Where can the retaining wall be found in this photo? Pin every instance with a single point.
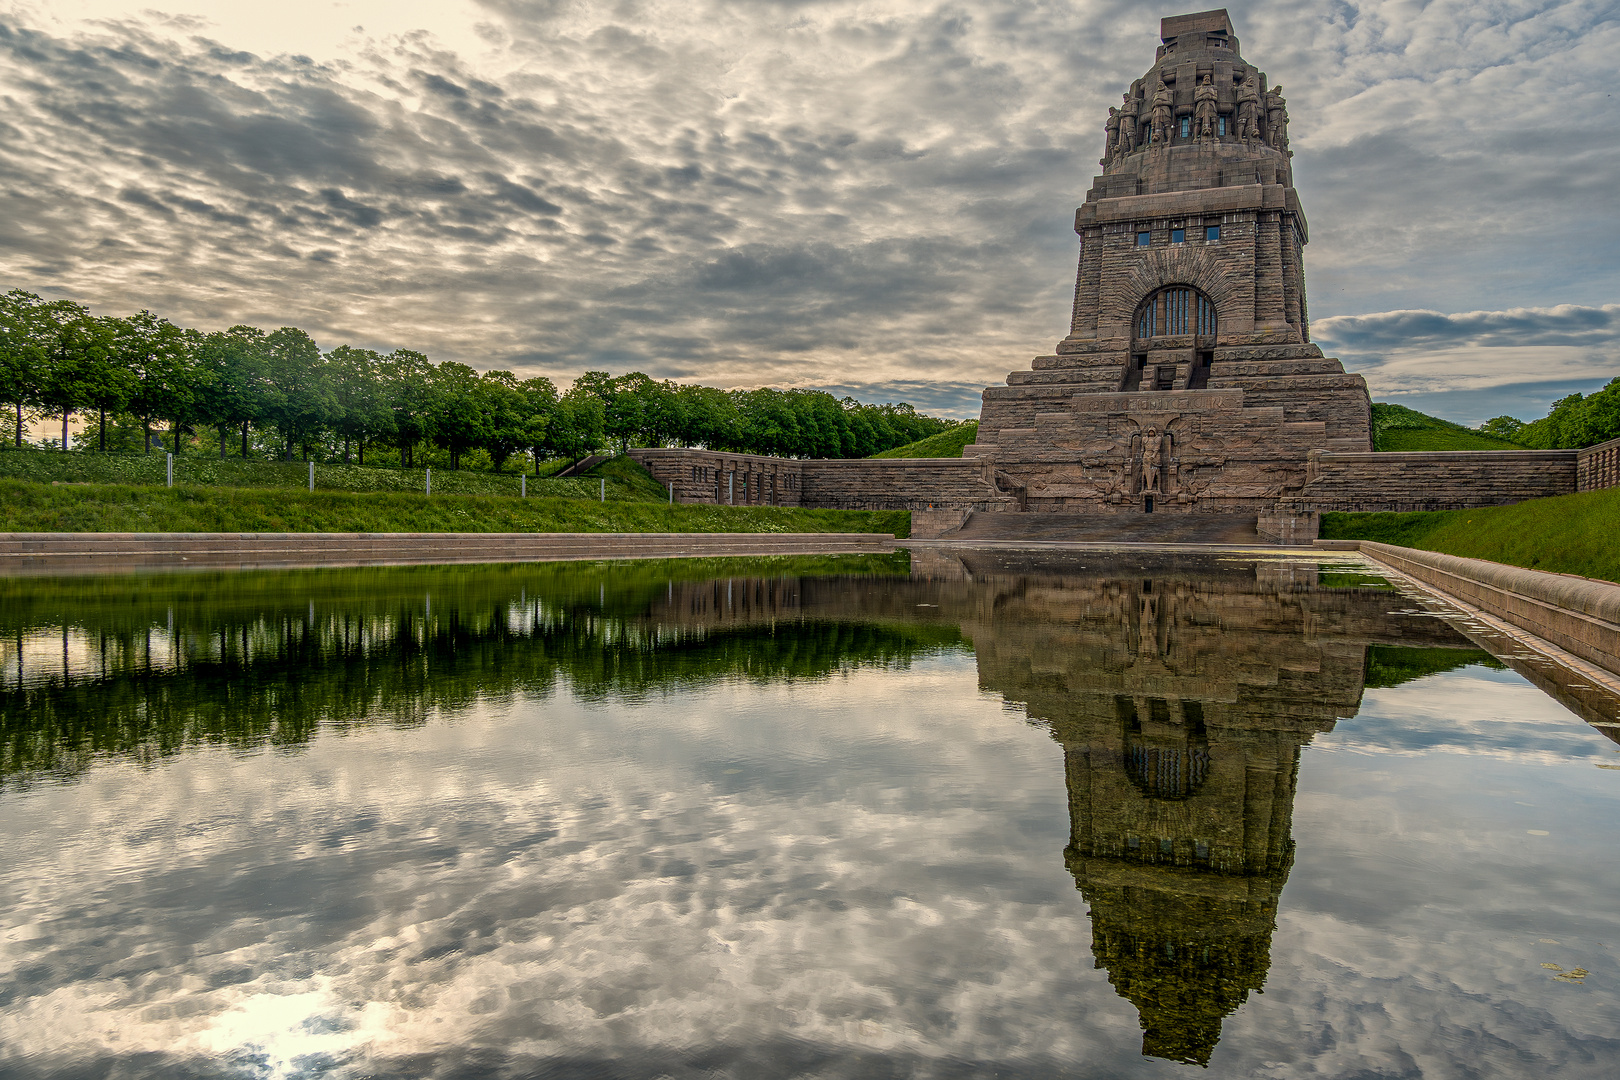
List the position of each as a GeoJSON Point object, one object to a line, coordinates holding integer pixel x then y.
{"type": "Point", "coordinates": [1440, 480]}
{"type": "Point", "coordinates": [1577, 614]}
{"type": "Point", "coordinates": [707, 476]}
{"type": "Point", "coordinates": [1598, 466]}
{"type": "Point", "coordinates": [48, 553]}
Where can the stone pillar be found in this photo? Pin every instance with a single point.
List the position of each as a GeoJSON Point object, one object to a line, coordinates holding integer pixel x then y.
{"type": "Point", "coordinates": [1087, 286]}
{"type": "Point", "coordinates": [1268, 278]}
{"type": "Point", "coordinates": [1292, 290]}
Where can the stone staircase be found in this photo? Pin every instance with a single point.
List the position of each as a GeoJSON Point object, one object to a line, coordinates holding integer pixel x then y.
{"type": "Point", "coordinates": [1126, 528]}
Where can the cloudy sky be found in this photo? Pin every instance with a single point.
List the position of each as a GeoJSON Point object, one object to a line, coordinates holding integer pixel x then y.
{"type": "Point", "coordinates": [875, 198]}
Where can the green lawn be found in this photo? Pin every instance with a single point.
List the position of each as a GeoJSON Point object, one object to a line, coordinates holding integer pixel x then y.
{"type": "Point", "coordinates": [1569, 534]}
{"type": "Point", "coordinates": [945, 444]}
{"type": "Point", "coordinates": [34, 507]}
{"type": "Point", "coordinates": [1395, 427]}
{"type": "Point", "coordinates": [46, 466]}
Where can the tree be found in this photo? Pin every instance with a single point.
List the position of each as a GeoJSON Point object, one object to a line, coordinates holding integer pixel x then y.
{"type": "Point", "coordinates": [540, 406]}
{"type": "Point", "coordinates": [504, 415]}
{"type": "Point", "coordinates": [363, 411]}
{"type": "Point", "coordinates": [577, 425]}
{"type": "Point", "coordinates": [236, 364]}
{"type": "Point", "coordinates": [407, 388]}
{"type": "Point", "coordinates": [299, 401]}
{"type": "Point", "coordinates": [80, 366]}
{"type": "Point", "coordinates": [23, 350]}
{"type": "Point", "coordinates": [158, 356]}
{"type": "Point", "coordinates": [1503, 427]}
{"type": "Point", "coordinates": [456, 417]}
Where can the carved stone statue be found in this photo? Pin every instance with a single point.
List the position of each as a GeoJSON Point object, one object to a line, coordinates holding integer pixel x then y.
{"type": "Point", "coordinates": [1127, 123]}
{"type": "Point", "coordinates": [1248, 107]}
{"type": "Point", "coordinates": [1276, 119]}
{"type": "Point", "coordinates": [1151, 458]}
{"type": "Point", "coordinates": [1163, 110]}
{"type": "Point", "coordinates": [1204, 109]}
{"type": "Point", "coordinates": [1111, 146]}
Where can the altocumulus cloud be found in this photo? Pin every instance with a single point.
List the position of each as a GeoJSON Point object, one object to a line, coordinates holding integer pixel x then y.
{"type": "Point", "coordinates": [873, 196]}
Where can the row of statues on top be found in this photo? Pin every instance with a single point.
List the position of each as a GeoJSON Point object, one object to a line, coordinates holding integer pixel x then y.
{"type": "Point", "coordinates": [1260, 119]}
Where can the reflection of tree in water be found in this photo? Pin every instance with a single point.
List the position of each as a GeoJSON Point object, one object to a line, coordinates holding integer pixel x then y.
{"type": "Point", "coordinates": [1182, 698]}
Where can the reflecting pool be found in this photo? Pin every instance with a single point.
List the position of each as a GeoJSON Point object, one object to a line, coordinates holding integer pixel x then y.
{"type": "Point", "coordinates": [983, 814]}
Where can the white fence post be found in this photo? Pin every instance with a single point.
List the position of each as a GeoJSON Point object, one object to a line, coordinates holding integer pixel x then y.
{"type": "Point", "coordinates": [604, 489]}
{"type": "Point", "coordinates": [523, 486]}
{"type": "Point", "coordinates": [672, 493]}
{"type": "Point", "coordinates": [168, 470]}
{"type": "Point", "coordinates": [731, 488]}
{"type": "Point", "coordinates": [312, 476]}
{"type": "Point", "coordinates": [430, 480]}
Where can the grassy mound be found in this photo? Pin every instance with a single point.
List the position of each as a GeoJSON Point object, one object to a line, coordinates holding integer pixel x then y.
{"type": "Point", "coordinates": [35, 507]}
{"type": "Point", "coordinates": [1395, 427]}
{"type": "Point", "coordinates": [1569, 534]}
{"type": "Point", "coordinates": [945, 444]}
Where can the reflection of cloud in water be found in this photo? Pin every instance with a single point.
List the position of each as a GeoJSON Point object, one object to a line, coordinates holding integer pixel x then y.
{"type": "Point", "coordinates": [858, 874]}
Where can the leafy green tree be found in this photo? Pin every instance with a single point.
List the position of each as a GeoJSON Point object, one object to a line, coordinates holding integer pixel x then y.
{"type": "Point", "coordinates": [540, 409]}
{"type": "Point", "coordinates": [1503, 427]}
{"type": "Point", "coordinates": [159, 358]}
{"type": "Point", "coordinates": [407, 388]}
{"type": "Point", "coordinates": [577, 427]}
{"type": "Point", "coordinates": [236, 363]}
{"type": "Point", "coordinates": [80, 363]}
{"type": "Point", "coordinates": [24, 346]}
{"type": "Point", "coordinates": [456, 418]}
{"type": "Point", "coordinates": [505, 417]}
{"type": "Point", "coordinates": [299, 400]}
{"type": "Point", "coordinates": [363, 411]}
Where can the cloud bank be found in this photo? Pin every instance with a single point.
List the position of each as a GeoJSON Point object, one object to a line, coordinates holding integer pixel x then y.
{"type": "Point", "coordinates": [871, 195]}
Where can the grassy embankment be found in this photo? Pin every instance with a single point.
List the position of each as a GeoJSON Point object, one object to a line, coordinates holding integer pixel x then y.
{"type": "Point", "coordinates": [61, 495]}
{"type": "Point", "coordinates": [945, 444]}
{"type": "Point", "coordinates": [1568, 534]}
{"type": "Point", "coordinates": [1395, 427]}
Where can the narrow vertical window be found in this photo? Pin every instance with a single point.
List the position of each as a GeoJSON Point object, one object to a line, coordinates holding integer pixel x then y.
{"type": "Point", "coordinates": [1142, 239]}
{"type": "Point", "coordinates": [1220, 124]}
{"type": "Point", "coordinates": [1186, 126]}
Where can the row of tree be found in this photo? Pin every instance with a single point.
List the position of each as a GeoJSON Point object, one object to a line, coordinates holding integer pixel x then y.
{"type": "Point", "coordinates": [1573, 422]}
{"type": "Point", "coordinates": [280, 392]}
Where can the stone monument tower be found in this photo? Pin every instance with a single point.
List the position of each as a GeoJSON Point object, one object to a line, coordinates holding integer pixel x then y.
{"type": "Point", "coordinates": [1188, 382]}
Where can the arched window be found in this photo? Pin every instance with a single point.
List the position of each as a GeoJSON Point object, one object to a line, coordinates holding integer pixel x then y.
{"type": "Point", "coordinates": [1176, 311]}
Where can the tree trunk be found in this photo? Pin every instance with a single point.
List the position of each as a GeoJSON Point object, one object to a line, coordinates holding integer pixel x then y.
{"type": "Point", "coordinates": [104, 429]}
{"type": "Point", "coordinates": [65, 414]}
{"type": "Point", "coordinates": [362, 452]}
{"type": "Point", "coordinates": [345, 449]}
{"type": "Point", "coordinates": [244, 440]}
{"type": "Point", "coordinates": [146, 435]}
{"type": "Point", "coordinates": [19, 425]}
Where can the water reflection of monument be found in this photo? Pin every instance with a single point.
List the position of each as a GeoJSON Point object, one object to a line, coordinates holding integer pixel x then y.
{"type": "Point", "coordinates": [1181, 738]}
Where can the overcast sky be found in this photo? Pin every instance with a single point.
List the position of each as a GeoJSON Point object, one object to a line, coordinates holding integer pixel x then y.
{"type": "Point", "coordinates": [875, 198]}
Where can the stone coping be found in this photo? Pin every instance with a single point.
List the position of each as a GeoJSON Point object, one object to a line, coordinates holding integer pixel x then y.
{"type": "Point", "coordinates": [1581, 615]}
{"type": "Point", "coordinates": [52, 553]}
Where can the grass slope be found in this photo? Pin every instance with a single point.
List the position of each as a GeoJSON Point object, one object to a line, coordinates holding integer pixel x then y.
{"type": "Point", "coordinates": [945, 444]}
{"type": "Point", "coordinates": [1569, 534]}
{"type": "Point", "coordinates": [1395, 427]}
{"type": "Point", "coordinates": [47, 466]}
{"type": "Point", "coordinates": [35, 507]}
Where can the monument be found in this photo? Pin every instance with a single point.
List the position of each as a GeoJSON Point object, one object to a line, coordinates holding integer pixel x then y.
{"type": "Point", "coordinates": [1188, 387]}
{"type": "Point", "coordinates": [1188, 382]}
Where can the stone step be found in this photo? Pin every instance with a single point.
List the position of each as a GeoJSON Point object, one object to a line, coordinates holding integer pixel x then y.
{"type": "Point", "coordinates": [1166, 527]}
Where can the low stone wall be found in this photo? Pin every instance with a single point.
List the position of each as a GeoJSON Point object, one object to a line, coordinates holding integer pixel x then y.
{"type": "Point", "coordinates": [706, 476]}
{"type": "Point", "coordinates": [1441, 480]}
{"type": "Point", "coordinates": [54, 553]}
{"type": "Point", "coordinates": [1598, 466]}
{"type": "Point", "coordinates": [1577, 614]}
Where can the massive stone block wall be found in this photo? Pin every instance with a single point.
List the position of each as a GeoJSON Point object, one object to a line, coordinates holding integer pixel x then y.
{"type": "Point", "coordinates": [1449, 480]}
{"type": "Point", "coordinates": [1598, 466]}
{"type": "Point", "coordinates": [706, 476]}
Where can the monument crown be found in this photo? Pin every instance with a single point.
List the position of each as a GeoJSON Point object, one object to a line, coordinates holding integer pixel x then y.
{"type": "Point", "coordinates": [1187, 381]}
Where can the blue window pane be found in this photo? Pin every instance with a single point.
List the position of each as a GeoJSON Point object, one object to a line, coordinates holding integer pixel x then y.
{"type": "Point", "coordinates": [1212, 232]}
{"type": "Point", "coordinates": [1221, 123]}
{"type": "Point", "coordinates": [1186, 126]}
{"type": "Point", "coordinates": [1178, 236]}
{"type": "Point", "coordinates": [1142, 239]}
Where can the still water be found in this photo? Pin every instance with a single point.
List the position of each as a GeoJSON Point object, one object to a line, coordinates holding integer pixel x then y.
{"type": "Point", "coordinates": [954, 816]}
